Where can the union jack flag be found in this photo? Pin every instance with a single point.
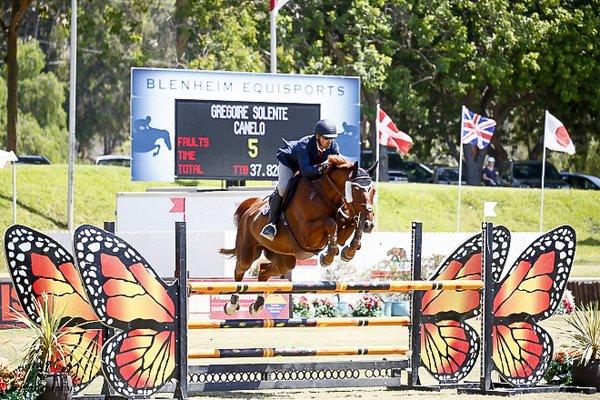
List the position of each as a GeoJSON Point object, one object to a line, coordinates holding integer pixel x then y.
{"type": "Point", "coordinates": [476, 130]}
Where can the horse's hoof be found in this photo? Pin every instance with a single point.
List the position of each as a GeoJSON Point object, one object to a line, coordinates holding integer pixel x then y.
{"type": "Point", "coordinates": [254, 311]}
{"type": "Point", "coordinates": [344, 256]}
{"type": "Point", "coordinates": [323, 262]}
{"type": "Point", "coordinates": [231, 308]}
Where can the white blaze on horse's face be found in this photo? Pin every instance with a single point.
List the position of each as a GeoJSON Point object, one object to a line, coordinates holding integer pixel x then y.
{"type": "Point", "coordinates": [361, 199]}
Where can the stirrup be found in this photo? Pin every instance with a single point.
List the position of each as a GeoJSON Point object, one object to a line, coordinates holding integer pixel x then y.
{"type": "Point", "coordinates": [269, 231]}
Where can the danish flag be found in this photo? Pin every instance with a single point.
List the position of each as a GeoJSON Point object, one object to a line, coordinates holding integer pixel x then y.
{"type": "Point", "coordinates": [389, 135]}
{"type": "Point", "coordinates": [277, 4]}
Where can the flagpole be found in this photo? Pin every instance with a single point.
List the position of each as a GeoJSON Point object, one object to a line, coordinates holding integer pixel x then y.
{"type": "Point", "coordinates": [543, 175]}
{"type": "Point", "coordinates": [14, 165]}
{"type": "Point", "coordinates": [72, 105]}
{"type": "Point", "coordinates": [378, 164]}
{"type": "Point", "coordinates": [462, 116]}
{"type": "Point", "coordinates": [273, 41]}
{"type": "Point", "coordinates": [377, 143]}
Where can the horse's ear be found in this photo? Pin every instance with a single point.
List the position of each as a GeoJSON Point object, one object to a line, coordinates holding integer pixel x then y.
{"type": "Point", "coordinates": [373, 168]}
{"type": "Point", "coordinates": [354, 169]}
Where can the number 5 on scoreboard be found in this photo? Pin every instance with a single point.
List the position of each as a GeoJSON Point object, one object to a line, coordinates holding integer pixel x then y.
{"type": "Point", "coordinates": [253, 147]}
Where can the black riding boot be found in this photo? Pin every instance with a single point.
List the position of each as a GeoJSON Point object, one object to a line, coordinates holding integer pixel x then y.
{"type": "Point", "coordinates": [270, 230]}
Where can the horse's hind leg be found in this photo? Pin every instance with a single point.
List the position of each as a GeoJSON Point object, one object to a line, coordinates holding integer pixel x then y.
{"type": "Point", "coordinates": [279, 265]}
{"type": "Point", "coordinates": [243, 262]}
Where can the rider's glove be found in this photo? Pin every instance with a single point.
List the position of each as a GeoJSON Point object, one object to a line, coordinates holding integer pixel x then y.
{"type": "Point", "coordinates": [322, 167]}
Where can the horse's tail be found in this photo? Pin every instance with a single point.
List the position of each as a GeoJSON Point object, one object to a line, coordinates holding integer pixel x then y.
{"type": "Point", "coordinates": [227, 252]}
{"type": "Point", "coordinates": [242, 208]}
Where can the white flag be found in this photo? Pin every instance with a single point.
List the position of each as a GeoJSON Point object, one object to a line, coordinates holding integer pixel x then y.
{"type": "Point", "coordinates": [556, 136]}
{"type": "Point", "coordinates": [6, 157]}
{"type": "Point", "coordinates": [488, 208]}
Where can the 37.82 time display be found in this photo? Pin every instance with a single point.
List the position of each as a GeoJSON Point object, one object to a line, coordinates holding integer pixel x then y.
{"type": "Point", "coordinates": [236, 140]}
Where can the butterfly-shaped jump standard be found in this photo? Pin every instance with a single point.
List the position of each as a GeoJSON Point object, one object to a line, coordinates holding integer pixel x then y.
{"type": "Point", "coordinates": [38, 265]}
{"type": "Point", "coordinates": [530, 292]}
{"type": "Point", "coordinates": [449, 346]}
{"type": "Point", "coordinates": [128, 295]}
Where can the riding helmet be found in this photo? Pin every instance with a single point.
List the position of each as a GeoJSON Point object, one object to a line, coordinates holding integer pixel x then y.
{"type": "Point", "coordinates": [326, 128]}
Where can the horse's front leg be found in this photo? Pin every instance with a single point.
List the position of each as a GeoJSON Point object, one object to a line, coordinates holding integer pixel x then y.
{"type": "Point", "coordinates": [332, 249]}
{"type": "Point", "coordinates": [349, 250]}
{"type": "Point", "coordinates": [157, 148]}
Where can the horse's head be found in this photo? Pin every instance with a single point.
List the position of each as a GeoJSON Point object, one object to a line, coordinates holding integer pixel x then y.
{"type": "Point", "coordinates": [163, 134]}
{"type": "Point", "coordinates": [359, 193]}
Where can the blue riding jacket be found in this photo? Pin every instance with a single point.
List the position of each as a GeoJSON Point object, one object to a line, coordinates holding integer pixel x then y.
{"type": "Point", "coordinates": [302, 155]}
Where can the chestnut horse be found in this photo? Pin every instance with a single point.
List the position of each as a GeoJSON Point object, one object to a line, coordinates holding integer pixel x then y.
{"type": "Point", "coordinates": [322, 214]}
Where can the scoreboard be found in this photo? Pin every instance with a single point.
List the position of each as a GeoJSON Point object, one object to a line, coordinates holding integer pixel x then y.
{"type": "Point", "coordinates": [192, 124]}
{"type": "Point", "coordinates": [236, 139]}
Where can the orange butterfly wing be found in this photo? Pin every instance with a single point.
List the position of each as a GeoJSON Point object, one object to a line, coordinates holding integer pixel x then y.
{"type": "Point", "coordinates": [449, 347]}
{"type": "Point", "coordinates": [81, 358]}
{"type": "Point", "coordinates": [132, 358]}
{"type": "Point", "coordinates": [128, 295]}
{"type": "Point", "coordinates": [530, 292]}
{"type": "Point", "coordinates": [38, 264]}
{"type": "Point", "coordinates": [521, 352]}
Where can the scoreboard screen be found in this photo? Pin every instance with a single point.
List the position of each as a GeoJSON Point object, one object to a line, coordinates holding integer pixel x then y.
{"type": "Point", "coordinates": [236, 140]}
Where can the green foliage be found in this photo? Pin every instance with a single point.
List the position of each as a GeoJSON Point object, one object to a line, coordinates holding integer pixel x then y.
{"type": "Point", "coordinates": [41, 124]}
{"type": "Point", "coordinates": [584, 332]}
{"type": "Point", "coordinates": [325, 307]}
{"type": "Point", "coordinates": [48, 140]}
{"type": "Point", "coordinates": [227, 35]}
{"type": "Point", "coordinates": [561, 367]}
{"type": "Point", "coordinates": [302, 308]}
{"type": "Point", "coordinates": [368, 305]}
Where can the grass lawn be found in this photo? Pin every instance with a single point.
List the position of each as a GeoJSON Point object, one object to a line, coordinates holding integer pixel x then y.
{"type": "Point", "coordinates": [42, 199]}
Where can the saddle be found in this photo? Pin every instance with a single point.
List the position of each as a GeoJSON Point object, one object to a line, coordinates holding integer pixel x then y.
{"type": "Point", "coordinates": [287, 197]}
{"type": "Point", "coordinates": [289, 192]}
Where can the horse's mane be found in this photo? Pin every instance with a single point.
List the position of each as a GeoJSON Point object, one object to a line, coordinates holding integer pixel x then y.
{"type": "Point", "coordinates": [362, 177]}
{"type": "Point", "coordinates": [340, 163]}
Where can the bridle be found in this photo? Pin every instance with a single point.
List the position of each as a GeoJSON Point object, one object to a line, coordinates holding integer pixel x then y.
{"type": "Point", "coordinates": [345, 209]}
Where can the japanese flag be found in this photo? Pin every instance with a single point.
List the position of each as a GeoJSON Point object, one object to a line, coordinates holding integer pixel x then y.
{"type": "Point", "coordinates": [6, 157]}
{"type": "Point", "coordinates": [275, 5]}
{"type": "Point", "coordinates": [556, 136]}
{"type": "Point", "coordinates": [389, 135]}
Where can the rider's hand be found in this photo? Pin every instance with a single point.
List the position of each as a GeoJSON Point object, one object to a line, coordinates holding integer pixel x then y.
{"type": "Point", "coordinates": [323, 166]}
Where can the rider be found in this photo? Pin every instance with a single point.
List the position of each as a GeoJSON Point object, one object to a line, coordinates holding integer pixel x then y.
{"type": "Point", "coordinates": [308, 155]}
{"type": "Point", "coordinates": [141, 124]}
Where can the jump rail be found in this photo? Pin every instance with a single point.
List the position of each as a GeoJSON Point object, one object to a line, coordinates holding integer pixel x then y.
{"type": "Point", "coordinates": [296, 352]}
{"type": "Point", "coordinates": [330, 287]}
{"type": "Point", "coordinates": [299, 323]}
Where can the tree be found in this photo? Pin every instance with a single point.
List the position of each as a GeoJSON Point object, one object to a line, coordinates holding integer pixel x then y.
{"type": "Point", "coordinates": [10, 30]}
{"type": "Point", "coordinates": [41, 116]}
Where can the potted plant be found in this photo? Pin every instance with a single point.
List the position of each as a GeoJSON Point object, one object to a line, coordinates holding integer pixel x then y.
{"type": "Point", "coordinates": [47, 351]}
{"type": "Point", "coordinates": [584, 331]}
{"type": "Point", "coordinates": [18, 383]}
{"type": "Point", "coordinates": [393, 268]}
{"type": "Point", "coordinates": [302, 308]}
{"type": "Point", "coordinates": [368, 305]}
{"type": "Point", "coordinates": [325, 307]}
{"type": "Point", "coordinates": [341, 271]}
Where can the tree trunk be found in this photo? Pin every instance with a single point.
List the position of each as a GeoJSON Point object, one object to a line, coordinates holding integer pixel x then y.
{"type": "Point", "coordinates": [473, 164]}
{"type": "Point", "coordinates": [10, 30]}
{"type": "Point", "coordinates": [500, 152]}
{"type": "Point", "coordinates": [182, 33]}
{"type": "Point", "coordinates": [12, 72]}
